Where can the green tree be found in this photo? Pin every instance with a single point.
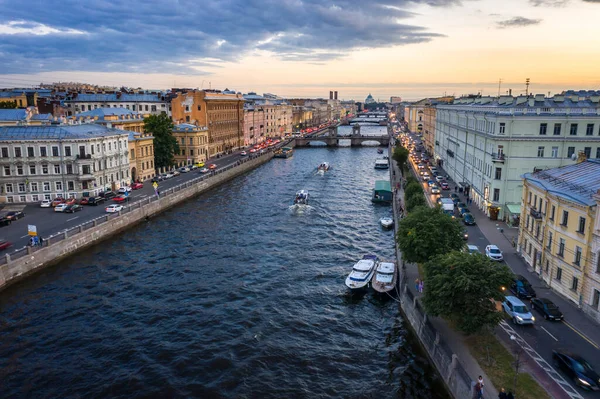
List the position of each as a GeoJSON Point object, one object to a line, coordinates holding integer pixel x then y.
{"type": "Point", "coordinates": [8, 105]}
{"type": "Point", "coordinates": [428, 232]}
{"type": "Point", "coordinates": [414, 202]}
{"type": "Point", "coordinates": [400, 156]}
{"type": "Point", "coordinates": [165, 145]}
{"type": "Point", "coordinates": [412, 189]}
{"type": "Point", "coordinates": [462, 287]}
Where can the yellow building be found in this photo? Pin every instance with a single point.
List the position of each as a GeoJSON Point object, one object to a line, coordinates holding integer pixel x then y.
{"type": "Point", "coordinates": [557, 228]}
{"type": "Point", "coordinates": [141, 156]}
{"type": "Point", "coordinates": [193, 143]}
{"type": "Point", "coordinates": [19, 98]}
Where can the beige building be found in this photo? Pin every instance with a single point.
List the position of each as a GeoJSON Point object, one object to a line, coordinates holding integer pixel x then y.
{"type": "Point", "coordinates": [193, 143]}
{"type": "Point", "coordinates": [415, 115]}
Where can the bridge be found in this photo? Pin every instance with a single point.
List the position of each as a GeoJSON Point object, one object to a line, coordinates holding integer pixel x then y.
{"type": "Point", "coordinates": [333, 140]}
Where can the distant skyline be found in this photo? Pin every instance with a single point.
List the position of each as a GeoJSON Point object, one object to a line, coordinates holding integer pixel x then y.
{"type": "Point", "coordinates": [305, 48]}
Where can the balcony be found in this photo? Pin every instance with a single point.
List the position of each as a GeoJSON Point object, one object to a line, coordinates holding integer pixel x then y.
{"type": "Point", "coordinates": [535, 213]}
{"type": "Point", "coordinates": [84, 156]}
{"type": "Point", "coordinates": [85, 177]}
{"type": "Point", "coordinates": [499, 158]}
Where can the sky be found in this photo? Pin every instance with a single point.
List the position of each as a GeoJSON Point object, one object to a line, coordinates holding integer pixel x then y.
{"type": "Point", "coordinates": [305, 48]}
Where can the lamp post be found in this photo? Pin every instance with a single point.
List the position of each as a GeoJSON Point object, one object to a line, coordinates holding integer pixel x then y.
{"type": "Point", "coordinates": [517, 351]}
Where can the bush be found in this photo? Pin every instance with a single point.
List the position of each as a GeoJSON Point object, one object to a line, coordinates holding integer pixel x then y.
{"type": "Point", "coordinates": [414, 202]}
{"type": "Point", "coordinates": [413, 189]}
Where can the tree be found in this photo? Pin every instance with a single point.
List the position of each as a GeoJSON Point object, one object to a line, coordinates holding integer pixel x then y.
{"type": "Point", "coordinates": [414, 202]}
{"type": "Point", "coordinates": [463, 287]}
{"type": "Point", "coordinates": [400, 156]}
{"type": "Point", "coordinates": [412, 189]}
{"type": "Point", "coordinates": [428, 232]}
{"type": "Point", "coordinates": [165, 145]}
{"type": "Point", "coordinates": [8, 105]}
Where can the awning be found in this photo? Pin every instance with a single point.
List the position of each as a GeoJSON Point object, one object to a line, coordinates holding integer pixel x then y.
{"type": "Point", "coordinates": [514, 209]}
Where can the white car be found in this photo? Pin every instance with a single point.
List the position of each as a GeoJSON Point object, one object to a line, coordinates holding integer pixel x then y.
{"type": "Point", "coordinates": [204, 170]}
{"type": "Point", "coordinates": [435, 189]}
{"type": "Point", "coordinates": [124, 189]}
{"type": "Point", "coordinates": [243, 153]}
{"type": "Point", "coordinates": [184, 169]}
{"type": "Point", "coordinates": [494, 253]}
{"type": "Point", "coordinates": [114, 208]}
{"type": "Point", "coordinates": [433, 169]}
{"type": "Point", "coordinates": [438, 178]}
{"type": "Point", "coordinates": [60, 207]}
{"type": "Point", "coordinates": [194, 167]}
{"type": "Point", "coordinates": [175, 172]}
{"type": "Point", "coordinates": [168, 175]}
{"type": "Point", "coordinates": [472, 249]}
{"type": "Point", "coordinates": [517, 310]}
{"type": "Point", "coordinates": [46, 204]}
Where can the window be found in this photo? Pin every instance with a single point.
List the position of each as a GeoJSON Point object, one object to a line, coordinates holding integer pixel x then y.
{"type": "Point", "coordinates": [58, 185]}
{"type": "Point", "coordinates": [9, 188]}
{"type": "Point", "coordinates": [22, 198]}
{"type": "Point", "coordinates": [596, 300]}
{"type": "Point", "coordinates": [191, 141]}
{"type": "Point", "coordinates": [570, 152]}
{"type": "Point", "coordinates": [573, 129]}
{"type": "Point", "coordinates": [70, 186]}
{"type": "Point", "coordinates": [549, 241]}
{"type": "Point", "coordinates": [20, 170]}
{"type": "Point", "coordinates": [46, 186]}
{"type": "Point", "coordinates": [552, 213]}
{"type": "Point", "coordinates": [561, 247]}
{"type": "Point", "coordinates": [4, 152]}
{"type": "Point", "coordinates": [577, 257]}
{"type": "Point", "coordinates": [35, 198]}
{"type": "Point", "coordinates": [54, 151]}
{"type": "Point", "coordinates": [18, 152]}
{"type": "Point", "coordinates": [43, 151]}
{"type": "Point", "coordinates": [558, 273]}
{"type": "Point", "coordinates": [69, 169]}
{"type": "Point", "coordinates": [7, 171]}
{"type": "Point", "coordinates": [30, 152]}
{"type": "Point", "coordinates": [109, 146]}
{"type": "Point", "coordinates": [588, 152]}
{"type": "Point", "coordinates": [529, 201]}
{"type": "Point", "coordinates": [598, 152]}
{"type": "Point", "coordinates": [557, 127]}
{"type": "Point", "coordinates": [34, 186]}
{"type": "Point", "coordinates": [57, 169]}
{"type": "Point", "coordinates": [496, 195]}
{"type": "Point", "coordinates": [543, 129]}
{"type": "Point", "coordinates": [182, 141]}
{"type": "Point", "coordinates": [589, 129]}
{"type": "Point", "coordinates": [146, 107]}
{"type": "Point", "coordinates": [45, 169]}
{"type": "Point", "coordinates": [565, 219]}
{"type": "Point", "coordinates": [502, 127]}
{"type": "Point", "coordinates": [540, 152]}
{"type": "Point", "coordinates": [21, 187]}
{"type": "Point", "coordinates": [575, 283]}
{"type": "Point", "coordinates": [498, 174]}
{"type": "Point", "coordinates": [68, 151]}
{"type": "Point", "coordinates": [554, 152]}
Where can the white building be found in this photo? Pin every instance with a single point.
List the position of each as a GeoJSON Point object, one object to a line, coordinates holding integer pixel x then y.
{"type": "Point", "coordinates": [489, 143]}
{"type": "Point", "coordinates": [155, 103]}
{"type": "Point", "coordinates": [61, 161]}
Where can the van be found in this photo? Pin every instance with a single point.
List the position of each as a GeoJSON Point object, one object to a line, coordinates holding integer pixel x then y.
{"type": "Point", "coordinates": [517, 310]}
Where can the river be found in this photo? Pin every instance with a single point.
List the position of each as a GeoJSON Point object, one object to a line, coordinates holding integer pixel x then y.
{"type": "Point", "coordinates": [233, 294]}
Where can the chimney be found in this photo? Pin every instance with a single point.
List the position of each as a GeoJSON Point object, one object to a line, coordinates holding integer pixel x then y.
{"type": "Point", "coordinates": [330, 95]}
{"type": "Point", "coordinates": [335, 95]}
{"type": "Point", "coordinates": [510, 92]}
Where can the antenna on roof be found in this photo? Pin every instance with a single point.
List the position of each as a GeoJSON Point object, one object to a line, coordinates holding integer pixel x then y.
{"type": "Point", "coordinates": [499, 85]}
{"type": "Point", "coordinates": [527, 86]}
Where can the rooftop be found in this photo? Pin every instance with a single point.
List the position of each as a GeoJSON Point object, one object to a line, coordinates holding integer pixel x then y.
{"type": "Point", "coordinates": [577, 182]}
{"type": "Point", "coordinates": [7, 115]}
{"type": "Point", "coordinates": [102, 112]}
{"type": "Point", "coordinates": [187, 127]}
{"type": "Point", "coordinates": [116, 97]}
{"type": "Point", "coordinates": [57, 132]}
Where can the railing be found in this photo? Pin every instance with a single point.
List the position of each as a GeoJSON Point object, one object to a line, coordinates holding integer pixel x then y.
{"type": "Point", "coordinates": [535, 213]}
{"type": "Point", "coordinates": [62, 235]}
{"type": "Point", "coordinates": [84, 156]}
{"type": "Point", "coordinates": [498, 157]}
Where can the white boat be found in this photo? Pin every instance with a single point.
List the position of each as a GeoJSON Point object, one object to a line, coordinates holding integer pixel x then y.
{"type": "Point", "coordinates": [382, 164]}
{"type": "Point", "coordinates": [362, 272]}
{"type": "Point", "coordinates": [301, 197]}
{"type": "Point", "coordinates": [386, 222]}
{"type": "Point", "coordinates": [324, 166]}
{"type": "Point", "coordinates": [385, 277]}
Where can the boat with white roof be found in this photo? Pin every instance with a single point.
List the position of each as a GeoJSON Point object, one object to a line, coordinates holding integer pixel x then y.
{"type": "Point", "coordinates": [301, 198]}
{"type": "Point", "coordinates": [362, 272]}
{"type": "Point", "coordinates": [385, 277]}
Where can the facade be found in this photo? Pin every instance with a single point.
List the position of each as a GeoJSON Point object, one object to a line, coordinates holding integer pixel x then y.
{"type": "Point", "coordinates": [18, 98]}
{"type": "Point", "coordinates": [141, 156]}
{"type": "Point", "coordinates": [488, 143]}
{"type": "Point", "coordinates": [44, 162]}
{"type": "Point", "coordinates": [395, 100]}
{"type": "Point", "coordinates": [153, 103]}
{"type": "Point", "coordinates": [254, 124]}
{"type": "Point", "coordinates": [415, 115]}
{"type": "Point", "coordinates": [558, 237]}
{"type": "Point", "coordinates": [429, 113]}
{"type": "Point", "coordinates": [301, 116]}
{"type": "Point", "coordinates": [193, 143]}
{"type": "Point", "coordinates": [222, 114]}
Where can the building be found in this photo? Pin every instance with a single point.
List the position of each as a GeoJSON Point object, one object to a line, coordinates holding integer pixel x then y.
{"type": "Point", "coordinates": [254, 124]}
{"type": "Point", "coordinates": [558, 237]}
{"type": "Point", "coordinates": [415, 115]}
{"type": "Point", "coordinates": [118, 118]}
{"type": "Point", "coordinates": [23, 116]}
{"type": "Point", "coordinates": [395, 100]}
{"type": "Point", "coordinates": [222, 114]}
{"type": "Point", "coordinates": [370, 99]}
{"type": "Point", "coordinates": [429, 113]}
{"type": "Point", "coordinates": [150, 103]}
{"type": "Point", "coordinates": [488, 143]}
{"type": "Point", "coordinates": [44, 162]}
{"type": "Point", "coordinates": [19, 98]}
{"type": "Point", "coordinates": [193, 143]}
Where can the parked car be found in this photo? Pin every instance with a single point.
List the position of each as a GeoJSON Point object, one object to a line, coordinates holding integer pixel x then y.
{"type": "Point", "coordinates": [433, 169]}
{"type": "Point", "coordinates": [461, 205]}
{"type": "Point", "coordinates": [124, 189]}
{"type": "Point", "coordinates": [438, 178]}
{"type": "Point", "coordinates": [468, 219]}
{"type": "Point", "coordinates": [4, 245]}
{"type": "Point", "coordinates": [243, 153]}
{"type": "Point", "coordinates": [193, 167]}
{"type": "Point", "coordinates": [175, 172]}
{"type": "Point", "coordinates": [14, 215]}
{"type": "Point", "coordinates": [70, 201]}
{"type": "Point", "coordinates": [73, 208]}
{"type": "Point", "coordinates": [578, 369]}
{"type": "Point", "coordinates": [113, 208]}
{"type": "Point", "coordinates": [137, 186]}
{"type": "Point", "coordinates": [472, 249]}
{"type": "Point", "coordinates": [494, 253]}
{"type": "Point", "coordinates": [60, 207]}
{"type": "Point", "coordinates": [445, 186]}
{"type": "Point", "coordinates": [84, 201]}
{"type": "Point", "coordinates": [96, 200]}
{"type": "Point", "coordinates": [463, 212]}
{"type": "Point", "coordinates": [107, 195]}
{"type": "Point", "coordinates": [547, 308]}
{"type": "Point", "coordinates": [184, 169]}
{"type": "Point", "coordinates": [157, 178]}
{"type": "Point", "coordinates": [46, 203]}
{"type": "Point", "coordinates": [465, 234]}
{"type": "Point", "coordinates": [57, 200]}
{"type": "Point", "coordinates": [517, 310]}
{"type": "Point", "coordinates": [167, 175]}
{"type": "Point", "coordinates": [199, 164]}
{"type": "Point", "coordinates": [521, 288]}
{"type": "Point", "coordinates": [120, 198]}
{"type": "Point", "coordinates": [204, 170]}
{"type": "Point", "coordinates": [212, 166]}
{"type": "Point", "coordinates": [5, 222]}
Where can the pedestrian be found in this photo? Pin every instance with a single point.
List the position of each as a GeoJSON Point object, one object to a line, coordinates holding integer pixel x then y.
{"type": "Point", "coordinates": [502, 394]}
{"type": "Point", "coordinates": [31, 242]}
{"type": "Point", "coordinates": [417, 284]}
{"type": "Point", "coordinates": [41, 241]}
{"type": "Point", "coordinates": [478, 394]}
{"type": "Point", "coordinates": [480, 381]}
{"type": "Point", "coordinates": [455, 189]}
{"type": "Point", "coordinates": [510, 395]}
{"type": "Point", "coordinates": [421, 286]}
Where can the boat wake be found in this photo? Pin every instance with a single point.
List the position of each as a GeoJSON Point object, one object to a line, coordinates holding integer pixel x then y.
{"type": "Point", "coordinates": [299, 209]}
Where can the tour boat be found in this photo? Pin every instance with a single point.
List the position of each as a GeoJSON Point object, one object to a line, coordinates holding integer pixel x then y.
{"type": "Point", "coordinates": [382, 164]}
{"type": "Point", "coordinates": [361, 274]}
{"type": "Point", "coordinates": [324, 166]}
{"type": "Point", "coordinates": [379, 151]}
{"type": "Point", "coordinates": [301, 198]}
{"type": "Point", "coordinates": [386, 222]}
{"type": "Point", "coordinates": [385, 277]}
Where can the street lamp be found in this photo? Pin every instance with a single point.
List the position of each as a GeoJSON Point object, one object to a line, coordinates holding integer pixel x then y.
{"type": "Point", "coordinates": [517, 351]}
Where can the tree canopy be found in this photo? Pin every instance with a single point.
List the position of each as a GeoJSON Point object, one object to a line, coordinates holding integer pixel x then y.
{"type": "Point", "coordinates": [461, 286]}
{"type": "Point", "coordinates": [414, 202]}
{"type": "Point", "coordinates": [412, 189]}
{"type": "Point", "coordinates": [165, 145]}
{"type": "Point", "coordinates": [400, 156]}
{"type": "Point", "coordinates": [428, 232]}
{"type": "Point", "coordinates": [8, 104]}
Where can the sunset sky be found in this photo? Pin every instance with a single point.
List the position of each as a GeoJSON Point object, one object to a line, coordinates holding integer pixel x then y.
{"type": "Point", "coordinates": [411, 49]}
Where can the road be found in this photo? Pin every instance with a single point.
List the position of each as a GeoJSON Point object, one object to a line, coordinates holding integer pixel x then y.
{"type": "Point", "coordinates": [577, 333]}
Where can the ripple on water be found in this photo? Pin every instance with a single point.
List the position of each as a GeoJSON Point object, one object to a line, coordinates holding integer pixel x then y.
{"type": "Point", "coordinates": [234, 294]}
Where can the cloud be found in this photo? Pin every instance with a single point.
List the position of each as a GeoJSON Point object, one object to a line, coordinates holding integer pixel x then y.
{"type": "Point", "coordinates": [517, 22]}
{"type": "Point", "coordinates": [153, 35]}
{"type": "Point", "coordinates": [549, 3]}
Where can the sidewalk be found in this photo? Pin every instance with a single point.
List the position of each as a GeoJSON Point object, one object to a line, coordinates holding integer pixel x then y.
{"type": "Point", "coordinates": [453, 338]}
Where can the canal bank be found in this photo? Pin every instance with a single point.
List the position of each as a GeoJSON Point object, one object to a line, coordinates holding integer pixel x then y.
{"type": "Point", "coordinates": [58, 247]}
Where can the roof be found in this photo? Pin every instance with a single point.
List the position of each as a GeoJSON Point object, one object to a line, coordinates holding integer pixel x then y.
{"type": "Point", "coordinates": [113, 97]}
{"type": "Point", "coordinates": [41, 117]}
{"type": "Point", "coordinates": [57, 132]}
{"type": "Point", "coordinates": [577, 182]}
{"type": "Point", "coordinates": [13, 114]}
{"type": "Point", "coordinates": [102, 112]}
{"type": "Point", "coordinates": [187, 127]}
{"type": "Point", "coordinates": [383, 185]}
{"type": "Point", "coordinates": [514, 208]}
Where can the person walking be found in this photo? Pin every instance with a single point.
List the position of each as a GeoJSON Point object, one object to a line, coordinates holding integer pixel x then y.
{"type": "Point", "coordinates": [510, 395]}
{"type": "Point", "coordinates": [480, 381]}
{"type": "Point", "coordinates": [478, 394]}
{"type": "Point", "coordinates": [421, 286]}
{"type": "Point", "coordinates": [41, 241]}
{"type": "Point", "coordinates": [502, 394]}
{"type": "Point", "coordinates": [455, 189]}
{"type": "Point", "coordinates": [417, 284]}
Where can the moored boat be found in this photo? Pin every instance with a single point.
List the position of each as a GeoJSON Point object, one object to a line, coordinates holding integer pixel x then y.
{"type": "Point", "coordinates": [382, 164]}
{"type": "Point", "coordinates": [324, 166]}
{"type": "Point", "coordinates": [301, 198]}
{"type": "Point", "coordinates": [379, 151]}
{"type": "Point", "coordinates": [386, 222]}
{"type": "Point", "coordinates": [284, 152]}
{"type": "Point", "coordinates": [385, 277]}
{"type": "Point", "coordinates": [362, 273]}
{"type": "Point", "coordinates": [382, 192]}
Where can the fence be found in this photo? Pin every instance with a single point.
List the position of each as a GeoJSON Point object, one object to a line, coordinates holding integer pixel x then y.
{"type": "Point", "coordinates": [55, 238]}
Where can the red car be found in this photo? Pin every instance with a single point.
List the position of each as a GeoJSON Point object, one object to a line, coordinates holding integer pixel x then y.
{"type": "Point", "coordinates": [70, 201]}
{"type": "Point", "coordinates": [57, 201]}
{"type": "Point", "coordinates": [4, 245]}
{"type": "Point", "coordinates": [120, 198]}
{"type": "Point", "coordinates": [445, 186]}
{"type": "Point", "coordinates": [212, 166]}
{"type": "Point", "coordinates": [84, 201]}
{"type": "Point", "coordinates": [137, 186]}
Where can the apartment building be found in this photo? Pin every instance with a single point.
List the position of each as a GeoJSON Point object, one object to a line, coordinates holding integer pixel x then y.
{"type": "Point", "coordinates": [193, 143]}
{"type": "Point", "coordinates": [150, 103]}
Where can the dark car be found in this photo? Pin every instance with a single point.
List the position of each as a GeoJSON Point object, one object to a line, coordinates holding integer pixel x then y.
{"type": "Point", "coordinates": [455, 196]}
{"type": "Point", "coordinates": [463, 212]}
{"type": "Point", "coordinates": [95, 200]}
{"type": "Point", "coordinates": [14, 215]}
{"type": "Point", "coordinates": [5, 222]}
{"type": "Point", "coordinates": [547, 308]}
{"type": "Point", "coordinates": [108, 195]}
{"type": "Point", "coordinates": [577, 368]}
{"type": "Point", "coordinates": [468, 219]}
{"type": "Point", "coordinates": [521, 288]}
{"type": "Point", "coordinates": [461, 205]}
{"type": "Point", "coordinates": [73, 208]}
